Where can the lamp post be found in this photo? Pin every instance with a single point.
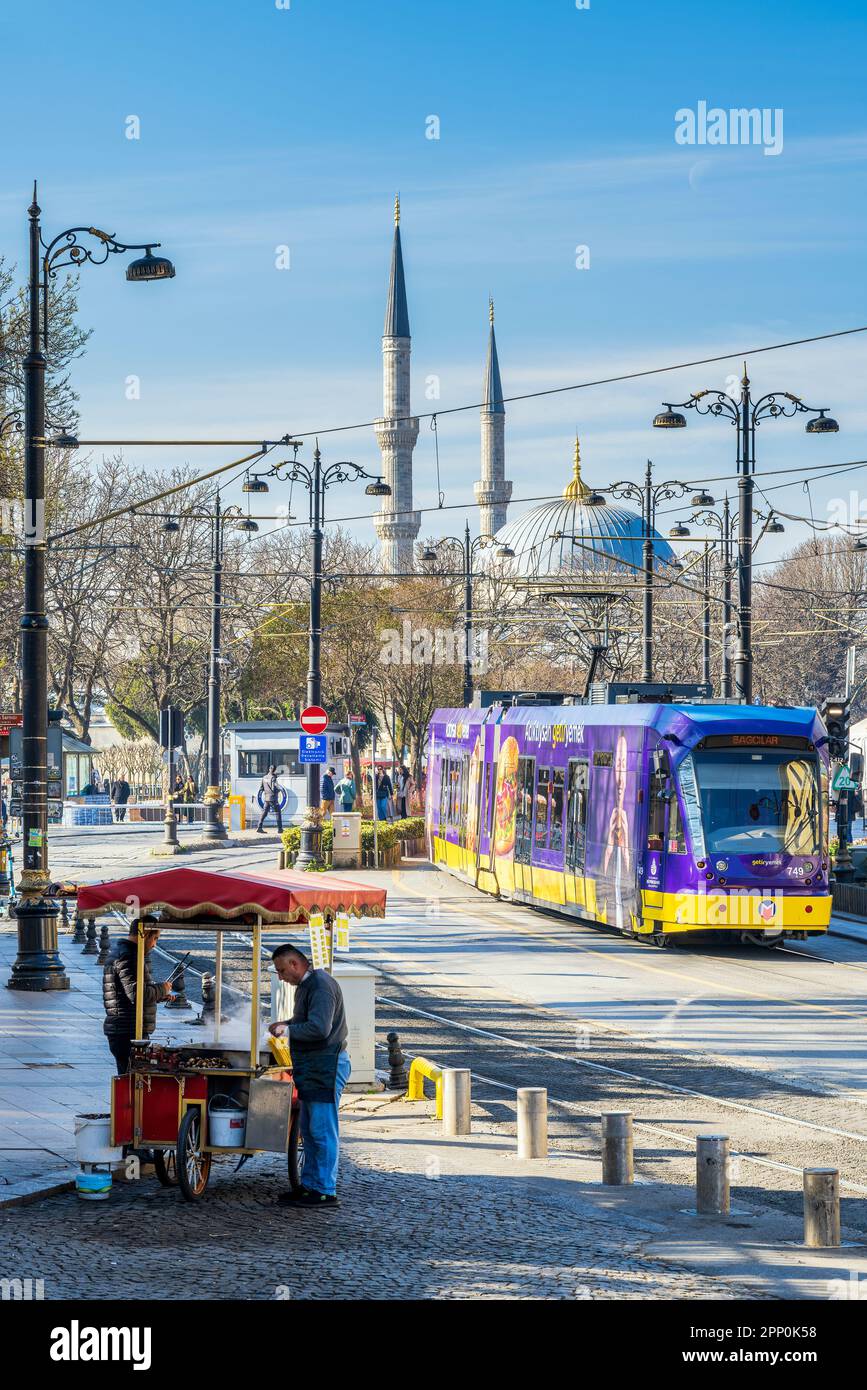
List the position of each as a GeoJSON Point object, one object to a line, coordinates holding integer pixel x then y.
{"type": "Point", "coordinates": [727, 526]}
{"type": "Point", "coordinates": [745, 414]}
{"type": "Point", "coordinates": [213, 828]}
{"type": "Point", "coordinates": [317, 480]}
{"type": "Point", "coordinates": [38, 965]}
{"type": "Point", "coordinates": [648, 497]}
{"type": "Point", "coordinates": [468, 548]}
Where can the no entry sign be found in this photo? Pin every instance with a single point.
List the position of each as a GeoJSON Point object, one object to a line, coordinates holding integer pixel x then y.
{"type": "Point", "coordinates": [314, 720]}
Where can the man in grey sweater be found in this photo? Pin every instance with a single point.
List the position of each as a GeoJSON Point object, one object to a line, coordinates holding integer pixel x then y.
{"type": "Point", "coordinates": [317, 1035]}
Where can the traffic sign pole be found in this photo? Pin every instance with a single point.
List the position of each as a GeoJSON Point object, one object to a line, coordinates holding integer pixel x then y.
{"type": "Point", "coordinates": [310, 849]}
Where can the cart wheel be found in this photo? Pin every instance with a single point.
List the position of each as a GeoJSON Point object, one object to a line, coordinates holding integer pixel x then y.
{"type": "Point", "coordinates": [193, 1166]}
{"type": "Point", "coordinates": [166, 1166]}
{"type": "Point", "coordinates": [296, 1151]}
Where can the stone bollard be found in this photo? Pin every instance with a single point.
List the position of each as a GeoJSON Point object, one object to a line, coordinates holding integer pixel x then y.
{"type": "Point", "coordinates": [532, 1122]}
{"type": "Point", "coordinates": [104, 945]}
{"type": "Point", "coordinates": [91, 949]}
{"type": "Point", "coordinates": [179, 991]}
{"type": "Point", "coordinates": [617, 1168]}
{"type": "Point", "coordinates": [821, 1207]}
{"type": "Point", "coordinates": [78, 936]}
{"type": "Point", "coordinates": [399, 1076]}
{"type": "Point", "coordinates": [456, 1101]}
{"type": "Point", "coordinates": [712, 1174]}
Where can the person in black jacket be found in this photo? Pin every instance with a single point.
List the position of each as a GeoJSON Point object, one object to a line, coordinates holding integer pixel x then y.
{"type": "Point", "coordinates": [317, 1035]}
{"type": "Point", "coordinates": [118, 995]}
{"type": "Point", "coordinates": [120, 794]}
{"type": "Point", "coordinates": [271, 792]}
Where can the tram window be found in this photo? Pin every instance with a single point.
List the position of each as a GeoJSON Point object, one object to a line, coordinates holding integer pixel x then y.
{"type": "Point", "coordinates": [524, 808]}
{"type": "Point", "coordinates": [543, 801]}
{"type": "Point", "coordinates": [676, 835]}
{"type": "Point", "coordinates": [464, 800]}
{"type": "Point", "coordinates": [555, 839]}
{"type": "Point", "coordinates": [444, 789]}
{"type": "Point", "coordinates": [487, 818]}
{"type": "Point", "coordinates": [576, 830]}
{"type": "Point", "coordinates": [660, 780]}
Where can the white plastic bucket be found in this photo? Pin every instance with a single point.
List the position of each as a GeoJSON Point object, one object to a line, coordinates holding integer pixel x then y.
{"type": "Point", "coordinates": [227, 1123]}
{"type": "Point", "coordinates": [93, 1140]}
{"type": "Point", "coordinates": [94, 1186]}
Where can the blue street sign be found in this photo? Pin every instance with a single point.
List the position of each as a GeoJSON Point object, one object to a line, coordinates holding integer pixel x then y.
{"type": "Point", "coordinates": [313, 748]}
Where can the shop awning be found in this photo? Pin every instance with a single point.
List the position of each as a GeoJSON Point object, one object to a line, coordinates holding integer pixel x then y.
{"type": "Point", "coordinates": [276, 896]}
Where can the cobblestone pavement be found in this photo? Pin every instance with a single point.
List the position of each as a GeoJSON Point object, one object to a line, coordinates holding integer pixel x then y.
{"type": "Point", "coordinates": [397, 1235]}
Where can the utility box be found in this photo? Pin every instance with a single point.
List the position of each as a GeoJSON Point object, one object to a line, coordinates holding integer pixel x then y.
{"type": "Point", "coordinates": [358, 986]}
{"type": "Point", "coordinates": [346, 842]}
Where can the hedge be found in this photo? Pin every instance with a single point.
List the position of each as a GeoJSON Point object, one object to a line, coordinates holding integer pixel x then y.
{"type": "Point", "coordinates": [389, 833]}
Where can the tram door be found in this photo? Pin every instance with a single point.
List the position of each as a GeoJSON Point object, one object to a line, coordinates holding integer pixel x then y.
{"type": "Point", "coordinates": [524, 803]}
{"type": "Point", "coordinates": [665, 834]}
{"type": "Point", "coordinates": [576, 830]}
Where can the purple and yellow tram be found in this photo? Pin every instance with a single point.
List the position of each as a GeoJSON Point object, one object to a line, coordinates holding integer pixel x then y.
{"type": "Point", "coordinates": [661, 820]}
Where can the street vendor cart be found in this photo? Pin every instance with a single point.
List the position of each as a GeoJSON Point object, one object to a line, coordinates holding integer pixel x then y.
{"type": "Point", "coordinates": [217, 1091]}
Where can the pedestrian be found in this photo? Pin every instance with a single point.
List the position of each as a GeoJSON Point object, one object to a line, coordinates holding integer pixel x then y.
{"type": "Point", "coordinates": [405, 788]}
{"type": "Point", "coordinates": [189, 792]}
{"type": "Point", "coordinates": [384, 791]}
{"type": "Point", "coordinates": [119, 993]}
{"type": "Point", "coordinates": [270, 792]}
{"type": "Point", "coordinates": [327, 794]}
{"type": "Point", "coordinates": [345, 792]}
{"type": "Point", "coordinates": [96, 781]}
{"type": "Point", "coordinates": [317, 1035]}
{"type": "Point", "coordinates": [120, 795]}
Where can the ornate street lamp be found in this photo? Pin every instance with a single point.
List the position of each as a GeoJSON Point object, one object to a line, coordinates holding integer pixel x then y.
{"type": "Point", "coordinates": [317, 480]}
{"type": "Point", "coordinates": [648, 498]}
{"type": "Point", "coordinates": [38, 965]}
{"type": "Point", "coordinates": [745, 414]}
{"type": "Point", "coordinates": [467, 548]}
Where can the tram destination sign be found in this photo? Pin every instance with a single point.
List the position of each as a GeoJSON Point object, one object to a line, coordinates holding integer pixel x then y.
{"type": "Point", "coordinates": [757, 740]}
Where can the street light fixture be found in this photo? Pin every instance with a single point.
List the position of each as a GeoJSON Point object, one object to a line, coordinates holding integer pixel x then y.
{"type": "Point", "coordinates": [254, 484]}
{"type": "Point", "coordinates": [679, 532]}
{"type": "Point", "coordinates": [702, 499]}
{"type": "Point", "coordinates": [378, 488]}
{"type": "Point", "coordinates": [468, 548]}
{"type": "Point", "coordinates": [745, 414]}
{"type": "Point", "coordinates": [38, 965]}
{"type": "Point", "coordinates": [150, 267]}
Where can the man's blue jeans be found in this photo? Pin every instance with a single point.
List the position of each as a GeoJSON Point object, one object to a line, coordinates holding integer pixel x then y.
{"type": "Point", "coordinates": [320, 1132]}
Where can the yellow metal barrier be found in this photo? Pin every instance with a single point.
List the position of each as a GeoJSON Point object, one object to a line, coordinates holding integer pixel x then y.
{"type": "Point", "coordinates": [420, 1068]}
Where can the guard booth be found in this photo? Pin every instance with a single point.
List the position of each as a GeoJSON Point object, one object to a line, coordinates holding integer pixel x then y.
{"type": "Point", "coordinates": [255, 745]}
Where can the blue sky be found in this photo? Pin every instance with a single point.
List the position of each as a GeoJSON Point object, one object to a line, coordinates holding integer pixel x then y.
{"type": "Point", "coordinates": [263, 126]}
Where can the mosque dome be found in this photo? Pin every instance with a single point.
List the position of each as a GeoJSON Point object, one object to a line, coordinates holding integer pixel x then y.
{"type": "Point", "coordinates": [541, 538]}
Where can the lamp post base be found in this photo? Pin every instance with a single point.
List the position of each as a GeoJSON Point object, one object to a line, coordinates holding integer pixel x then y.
{"type": "Point", "coordinates": [310, 850]}
{"type": "Point", "coordinates": [38, 965]}
{"type": "Point", "coordinates": [214, 828]}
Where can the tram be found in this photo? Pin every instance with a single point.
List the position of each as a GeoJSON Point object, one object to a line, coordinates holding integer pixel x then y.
{"type": "Point", "coordinates": [665, 821]}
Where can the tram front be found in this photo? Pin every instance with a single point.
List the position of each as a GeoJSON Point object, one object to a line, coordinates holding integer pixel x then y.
{"type": "Point", "coordinates": [751, 789]}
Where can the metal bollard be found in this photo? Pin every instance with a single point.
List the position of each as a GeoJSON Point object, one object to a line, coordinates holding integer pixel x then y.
{"type": "Point", "coordinates": [617, 1169]}
{"type": "Point", "coordinates": [78, 936]}
{"type": "Point", "coordinates": [104, 945]}
{"type": "Point", "coordinates": [821, 1207]}
{"type": "Point", "coordinates": [398, 1078]}
{"type": "Point", "coordinates": [456, 1101]}
{"type": "Point", "coordinates": [64, 916]}
{"type": "Point", "coordinates": [532, 1122]}
{"type": "Point", "coordinates": [91, 949]}
{"type": "Point", "coordinates": [712, 1174]}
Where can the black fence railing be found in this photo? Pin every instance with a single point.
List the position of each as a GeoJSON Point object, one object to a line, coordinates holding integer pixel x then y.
{"type": "Point", "coordinates": [850, 897]}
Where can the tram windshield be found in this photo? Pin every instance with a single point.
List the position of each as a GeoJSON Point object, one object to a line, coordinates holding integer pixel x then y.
{"type": "Point", "coordinates": [756, 802]}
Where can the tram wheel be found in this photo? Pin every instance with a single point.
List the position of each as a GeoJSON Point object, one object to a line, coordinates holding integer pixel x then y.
{"type": "Point", "coordinates": [662, 941]}
{"type": "Point", "coordinates": [193, 1166]}
{"type": "Point", "coordinates": [753, 938]}
{"type": "Point", "coordinates": [166, 1166]}
{"type": "Point", "coordinates": [295, 1155]}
